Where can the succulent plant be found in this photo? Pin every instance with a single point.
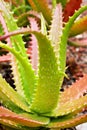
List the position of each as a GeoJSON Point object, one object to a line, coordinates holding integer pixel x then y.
{"type": "Point", "coordinates": [37, 102]}
{"type": "Point", "coordinates": [23, 16]}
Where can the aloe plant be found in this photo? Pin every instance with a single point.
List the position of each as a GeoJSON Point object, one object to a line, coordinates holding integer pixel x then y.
{"type": "Point", "coordinates": [23, 18]}
{"type": "Point", "coordinates": [37, 101]}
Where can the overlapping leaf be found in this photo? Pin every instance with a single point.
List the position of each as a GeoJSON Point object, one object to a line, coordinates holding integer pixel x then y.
{"type": "Point", "coordinates": [23, 84]}
{"type": "Point", "coordinates": [66, 122]}
{"type": "Point", "coordinates": [22, 119]}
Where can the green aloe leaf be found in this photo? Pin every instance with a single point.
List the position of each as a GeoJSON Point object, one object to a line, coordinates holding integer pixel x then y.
{"type": "Point", "coordinates": [71, 106]}
{"type": "Point", "coordinates": [8, 91]}
{"type": "Point", "coordinates": [28, 72]}
{"type": "Point", "coordinates": [64, 37]}
{"type": "Point", "coordinates": [24, 84]}
{"type": "Point", "coordinates": [47, 69]}
{"type": "Point", "coordinates": [47, 90]}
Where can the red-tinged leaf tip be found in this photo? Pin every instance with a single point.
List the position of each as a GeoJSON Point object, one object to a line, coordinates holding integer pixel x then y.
{"type": "Point", "coordinates": [74, 91]}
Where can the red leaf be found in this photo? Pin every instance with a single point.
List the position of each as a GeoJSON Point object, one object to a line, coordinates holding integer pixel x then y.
{"type": "Point", "coordinates": [70, 8]}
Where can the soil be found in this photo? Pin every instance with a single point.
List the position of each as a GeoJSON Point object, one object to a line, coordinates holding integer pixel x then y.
{"type": "Point", "coordinates": [76, 64]}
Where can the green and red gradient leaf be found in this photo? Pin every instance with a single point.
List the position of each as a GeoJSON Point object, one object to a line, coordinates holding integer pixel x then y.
{"type": "Point", "coordinates": [23, 119]}
{"type": "Point", "coordinates": [66, 123]}
{"type": "Point", "coordinates": [79, 26]}
{"type": "Point", "coordinates": [75, 91]}
{"type": "Point", "coordinates": [72, 99]}
{"type": "Point", "coordinates": [71, 107]}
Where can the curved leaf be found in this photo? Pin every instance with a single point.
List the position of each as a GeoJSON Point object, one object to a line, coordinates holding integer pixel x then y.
{"type": "Point", "coordinates": [72, 99]}
{"type": "Point", "coordinates": [79, 27]}
{"type": "Point", "coordinates": [28, 72]}
{"type": "Point", "coordinates": [66, 122]}
{"type": "Point", "coordinates": [75, 91]}
{"type": "Point", "coordinates": [24, 84]}
{"type": "Point", "coordinates": [71, 106]}
{"type": "Point", "coordinates": [23, 119]}
{"type": "Point", "coordinates": [7, 90]}
{"type": "Point", "coordinates": [47, 89]}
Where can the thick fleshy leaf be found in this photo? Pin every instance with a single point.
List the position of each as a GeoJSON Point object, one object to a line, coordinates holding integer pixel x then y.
{"type": "Point", "coordinates": [23, 119]}
{"type": "Point", "coordinates": [79, 27]}
{"type": "Point", "coordinates": [41, 6]}
{"type": "Point", "coordinates": [7, 102]}
{"type": "Point", "coordinates": [56, 28]}
{"type": "Point", "coordinates": [23, 62]}
{"type": "Point", "coordinates": [64, 37]}
{"type": "Point", "coordinates": [75, 91]}
{"type": "Point", "coordinates": [24, 84]}
{"type": "Point", "coordinates": [71, 106]}
{"type": "Point", "coordinates": [47, 89]}
{"type": "Point", "coordinates": [8, 91]}
{"type": "Point", "coordinates": [62, 49]}
{"type": "Point", "coordinates": [64, 122]}
{"type": "Point", "coordinates": [7, 123]}
{"type": "Point", "coordinates": [70, 100]}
